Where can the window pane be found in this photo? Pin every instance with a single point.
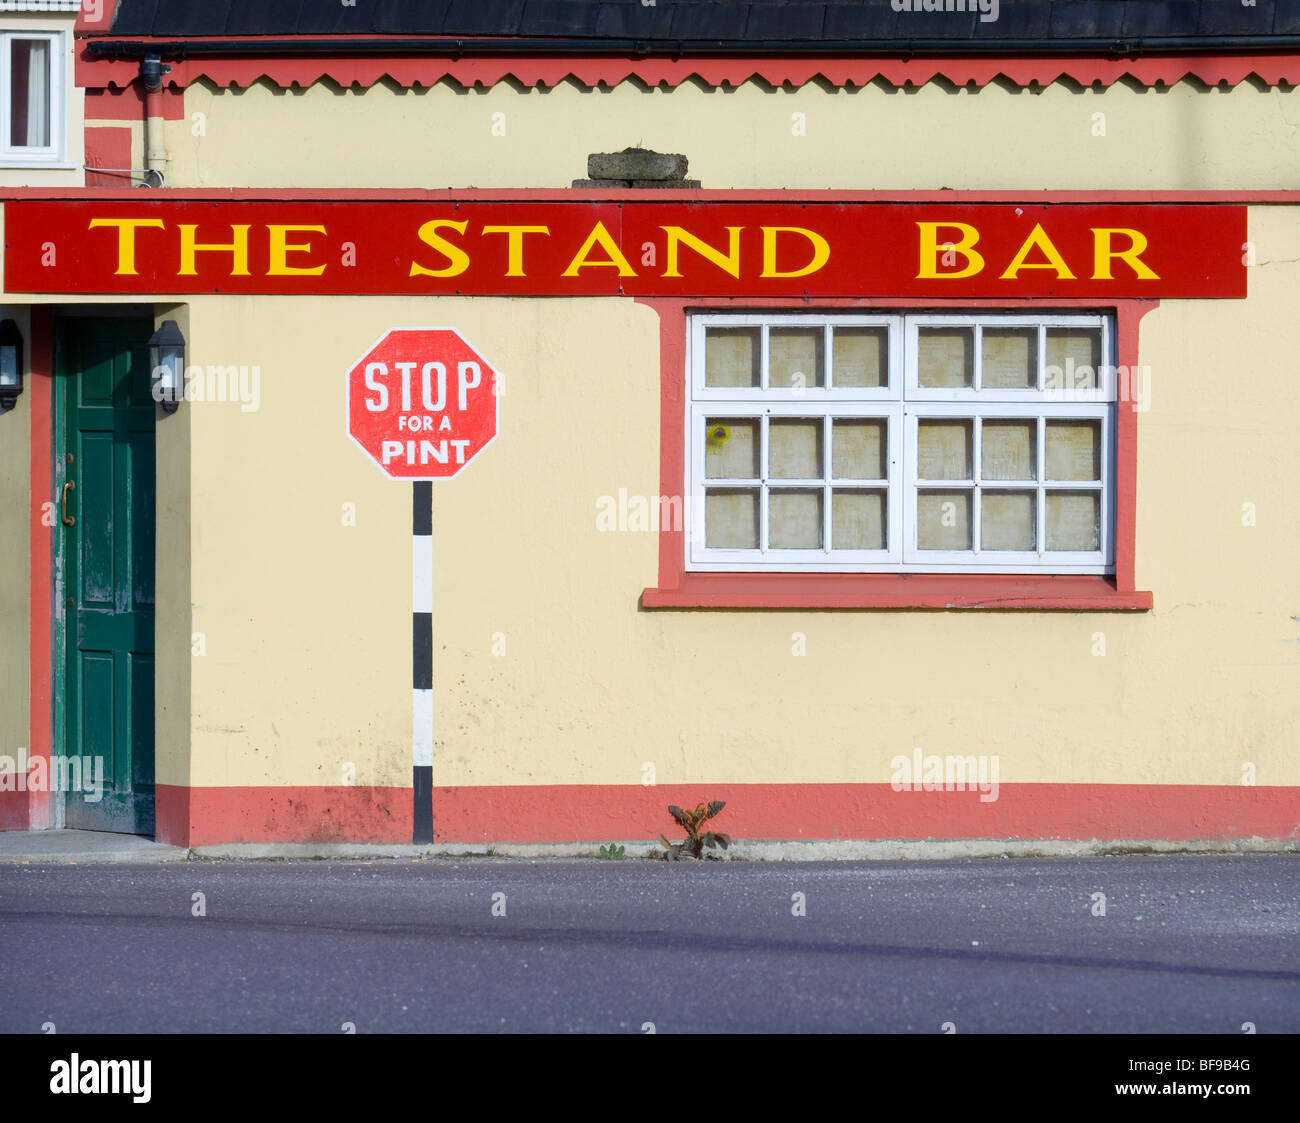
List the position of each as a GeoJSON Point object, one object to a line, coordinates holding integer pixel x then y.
{"type": "Point", "coordinates": [1007, 450]}
{"type": "Point", "coordinates": [794, 448]}
{"type": "Point", "coordinates": [944, 356]}
{"type": "Point", "coordinates": [29, 92]}
{"type": "Point", "coordinates": [943, 520]}
{"type": "Point", "coordinates": [1073, 520]}
{"type": "Point", "coordinates": [858, 520]}
{"type": "Point", "coordinates": [1073, 355]}
{"type": "Point", "coordinates": [731, 448]}
{"type": "Point", "coordinates": [794, 356]}
{"type": "Point", "coordinates": [943, 450]}
{"type": "Point", "coordinates": [731, 356]}
{"type": "Point", "coordinates": [794, 519]}
{"type": "Point", "coordinates": [1009, 358]}
{"type": "Point", "coordinates": [858, 449]}
{"type": "Point", "coordinates": [1007, 520]}
{"type": "Point", "coordinates": [861, 356]}
{"type": "Point", "coordinates": [731, 519]}
{"type": "Point", "coordinates": [1073, 450]}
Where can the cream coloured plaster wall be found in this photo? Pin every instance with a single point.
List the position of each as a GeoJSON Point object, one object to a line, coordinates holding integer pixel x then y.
{"type": "Point", "coordinates": [1185, 136]}
{"type": "Point", "coordinates": [307, 619]}
{"type": "Point", "coordinates": [15, 559]}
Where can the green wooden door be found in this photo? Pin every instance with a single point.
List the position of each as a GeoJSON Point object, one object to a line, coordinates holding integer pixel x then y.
{"type": "Point", "coordinates": [105, 615]}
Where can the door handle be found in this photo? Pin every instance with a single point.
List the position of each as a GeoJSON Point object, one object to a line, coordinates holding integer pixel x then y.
{"type": "Point", "coordinates": [68, 520]}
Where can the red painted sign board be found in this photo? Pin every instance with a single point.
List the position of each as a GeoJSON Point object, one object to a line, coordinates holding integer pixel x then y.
{"type": "Point", "coordinates": [568, 247]}
{"type": "Point", "coordinates": [422, 403]}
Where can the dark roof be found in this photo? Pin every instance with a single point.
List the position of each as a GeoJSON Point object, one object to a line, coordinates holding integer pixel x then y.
{"type": "Point", "coordinates": [731, 24]}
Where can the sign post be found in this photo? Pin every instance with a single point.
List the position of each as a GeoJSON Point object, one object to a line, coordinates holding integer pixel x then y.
{"type": "Point", "coordinates": [422, 403]}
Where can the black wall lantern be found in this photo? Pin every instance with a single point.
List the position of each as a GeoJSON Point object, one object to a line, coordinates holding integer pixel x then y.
{"type": "Point", "coordinates": [11, 365]}
{"type": "Point", "coordinates": [167, 361]}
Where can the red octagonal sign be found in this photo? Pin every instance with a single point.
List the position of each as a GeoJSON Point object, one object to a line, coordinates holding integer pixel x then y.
{"type": "Point", "coordinates": [423, 403]}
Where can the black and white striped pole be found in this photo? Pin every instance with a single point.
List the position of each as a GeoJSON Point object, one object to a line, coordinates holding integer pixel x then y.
{"type": "Point", "coordinates": [422, 659]}
{"type": "Point", "coordinates": [422, 403]}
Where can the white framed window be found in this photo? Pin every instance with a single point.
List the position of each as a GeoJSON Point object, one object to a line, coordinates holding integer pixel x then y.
{"type": "Point", "coordinates": [892, 443]}
{"type": "Point", "coordinates": [31, 97]}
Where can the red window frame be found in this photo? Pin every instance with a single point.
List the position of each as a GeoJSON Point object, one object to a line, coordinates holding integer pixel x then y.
{"type": "Point", "coordinates": [1081, 592]}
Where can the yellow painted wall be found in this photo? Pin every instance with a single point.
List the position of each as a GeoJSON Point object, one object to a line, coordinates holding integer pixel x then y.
{"type": "Point", "coordinates": [172, 610]}
{"type": "Point", "coordinates": [304, 621]}
{"type": "Point", "coordinates": [872, 137]}
{"type": "Point", "coordinates": [306, 627]}
{"type": "Point", "coordinates": [15, 559]}
{"type": "Point", "coordinates": [307, 620]}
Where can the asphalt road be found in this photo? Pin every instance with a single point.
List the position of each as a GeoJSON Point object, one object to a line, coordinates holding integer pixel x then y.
{"type": "Point", "coordinates": [1187, 944]}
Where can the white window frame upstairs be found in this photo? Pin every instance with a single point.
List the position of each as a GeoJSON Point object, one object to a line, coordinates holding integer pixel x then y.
{"type": "Point", "coordinates": [902, 404]}
{"type": "Point", "coordinates": [27, 155]}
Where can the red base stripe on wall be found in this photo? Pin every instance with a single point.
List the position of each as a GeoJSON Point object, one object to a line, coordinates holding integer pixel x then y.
{"type": "Point", "coordinates": [795, 812]}
{"type": "Point", "coordinates": [205, 816]}
{"type": "Point", "coordinates": [14, 813]}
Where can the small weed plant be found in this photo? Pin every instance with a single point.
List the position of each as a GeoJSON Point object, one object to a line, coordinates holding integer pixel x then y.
{"type": "Point", "coordinates": [697, 840]}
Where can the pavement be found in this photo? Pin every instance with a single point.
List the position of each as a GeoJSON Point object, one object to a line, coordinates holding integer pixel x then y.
{"type": "Point", "coordinates": [1129, 944]}
{"type": "Point", "coordinates": [84, 847]}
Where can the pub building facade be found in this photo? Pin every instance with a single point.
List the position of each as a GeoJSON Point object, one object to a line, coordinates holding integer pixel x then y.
{"type": "Point", "coordinates": [916, 463]}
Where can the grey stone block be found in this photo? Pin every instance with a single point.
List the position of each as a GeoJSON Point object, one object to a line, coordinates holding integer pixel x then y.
{"type": "Point", "coordinates": [636, 164]}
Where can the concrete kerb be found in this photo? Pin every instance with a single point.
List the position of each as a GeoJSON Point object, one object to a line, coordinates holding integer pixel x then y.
{"type": "Point", "coordinates": [83, 847]}
{"type": "Point", "coordinates": [753, 851]}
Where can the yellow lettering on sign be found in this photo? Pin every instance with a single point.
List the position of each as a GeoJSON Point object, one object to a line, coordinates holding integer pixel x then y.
{"type": "Point", "coordinates": [1102, 253]}
{"type": "Point", "coordinates": [1038, 239]}
{"type": "Point", "coordinates": [281, 248]}
{"type": "Point", "coordinates": [930, 248]}
{"type": "Point", "coordinates": [515, 245]}
{"type": "Point", "coordinates": [821, 251]}
{"type": "Point", "coordinates": [728, 262]}
{"type": "Point", "coordinates": [601, 237]}
{"type": "Point", "coordinates": [457, 258]}
{"type": "Point", "coordinates": [237, 248]}
{"type": "Point", "coordinates": [126, 228]}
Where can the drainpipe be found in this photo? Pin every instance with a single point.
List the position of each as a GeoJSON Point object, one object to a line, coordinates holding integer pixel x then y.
{"type": "Point", "coordinates": [152, 69]}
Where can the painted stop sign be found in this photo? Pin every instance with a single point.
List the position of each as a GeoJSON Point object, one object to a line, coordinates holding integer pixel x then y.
{"type": "Point", "coordinates": [422, 402]}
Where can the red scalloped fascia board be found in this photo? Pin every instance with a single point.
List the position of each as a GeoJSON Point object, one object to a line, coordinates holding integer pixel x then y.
{"type": "Point", "coordinates": [714, 72]}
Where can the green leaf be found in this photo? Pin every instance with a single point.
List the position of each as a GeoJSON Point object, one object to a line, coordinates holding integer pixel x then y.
{"type": "Point", "coordinates": [716, 806]}
{"type": "Point", "coordinates": [682, 817]}
{"type": "Point", "coordinates": [724, 840]}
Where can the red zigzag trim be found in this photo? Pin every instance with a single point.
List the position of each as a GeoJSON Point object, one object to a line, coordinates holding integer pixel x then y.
{"type": "Point", "coordinates": [1211, 70]}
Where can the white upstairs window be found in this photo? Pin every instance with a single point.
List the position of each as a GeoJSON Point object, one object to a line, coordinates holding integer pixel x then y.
{"type": "Point", "coordinates": [31, 97]}
{"type": "Point", "coordinates": [893, 443]}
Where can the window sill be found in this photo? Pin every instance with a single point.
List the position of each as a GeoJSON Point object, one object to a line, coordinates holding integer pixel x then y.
{"type": "Point", "coordinates": [1077, 593]}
